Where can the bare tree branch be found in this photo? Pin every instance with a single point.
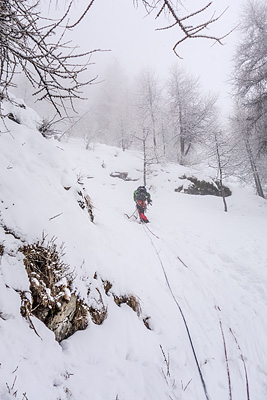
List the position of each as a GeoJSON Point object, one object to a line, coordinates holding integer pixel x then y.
{"type": "Point", "coordinates": [34, 45]}
{"type": "Point", "coordinates": [190, 31]}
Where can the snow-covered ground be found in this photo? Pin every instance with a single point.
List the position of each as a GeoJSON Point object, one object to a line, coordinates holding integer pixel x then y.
{"type": "Point", "coordinates": [200, 275]}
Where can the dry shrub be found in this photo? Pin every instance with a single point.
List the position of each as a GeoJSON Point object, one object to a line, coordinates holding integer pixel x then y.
{"type": "Point", "coordinates": [50, 280]}
{"type": "Point", "coordinates": [134, 303]}
{"type": "Point", "coordinates": [107, 286]}
{"type": "Point", "coordinates": [98, 316]}
{"type": "Point", "coordinates": [130, 300]}
{"type": "Point", "coordinates": [50, 285]}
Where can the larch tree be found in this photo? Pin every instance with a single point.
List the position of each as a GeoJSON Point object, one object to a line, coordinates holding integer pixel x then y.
{"type": "Point", "coordinates": [148, 107]}
{"type": "Point", "coordinates": [190, 111]}
{"type": "Point", "coordinates": [250, 84]}
{"type": "Point", "coordinates": [247, 162]}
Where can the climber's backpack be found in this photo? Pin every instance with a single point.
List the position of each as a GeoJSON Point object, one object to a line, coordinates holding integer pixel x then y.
{"type": "Point", "coordinates": [141, 193]}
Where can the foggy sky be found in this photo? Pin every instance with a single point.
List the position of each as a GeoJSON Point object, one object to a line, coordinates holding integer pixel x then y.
{"type": "Point", "coordinates": [133, 40]}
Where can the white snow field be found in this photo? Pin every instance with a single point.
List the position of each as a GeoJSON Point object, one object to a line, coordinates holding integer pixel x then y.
{"type": "Point", "coordinates": [200, 276]}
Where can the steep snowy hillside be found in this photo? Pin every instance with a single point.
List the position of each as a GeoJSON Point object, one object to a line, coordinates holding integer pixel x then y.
{"type": "Point", "coordinates": [183, 298]}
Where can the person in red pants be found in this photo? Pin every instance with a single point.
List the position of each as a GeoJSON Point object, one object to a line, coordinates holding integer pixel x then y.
{"type": "Point", "coordinates": [141, 198]}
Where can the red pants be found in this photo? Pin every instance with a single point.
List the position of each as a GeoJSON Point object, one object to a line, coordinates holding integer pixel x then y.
{"type": "Point", "coordinates": [141, 206]}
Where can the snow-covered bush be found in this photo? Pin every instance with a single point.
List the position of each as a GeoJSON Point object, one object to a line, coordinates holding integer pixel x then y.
{"type": "Point", "coordinates": [49, 276]}
{"type": "Point", "coordinates": [52, 300]}
{"type": "Point", "coordinates": [202, 187]}
{"type": "Point", "coordinates": [46, 128]}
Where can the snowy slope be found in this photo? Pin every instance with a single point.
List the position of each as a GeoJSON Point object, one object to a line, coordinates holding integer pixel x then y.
{"type": "Point", "coordinates": [197, 272]}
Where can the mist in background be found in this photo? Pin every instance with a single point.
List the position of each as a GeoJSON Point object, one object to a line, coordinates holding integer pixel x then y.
{"type": "Point", "coordinates": [129, 37]}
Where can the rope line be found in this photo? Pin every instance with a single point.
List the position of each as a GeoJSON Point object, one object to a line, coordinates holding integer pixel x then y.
{"type": "Point", "coordinates": [183, 317]}
{"type": "Point", "coordinates": [151, 231]}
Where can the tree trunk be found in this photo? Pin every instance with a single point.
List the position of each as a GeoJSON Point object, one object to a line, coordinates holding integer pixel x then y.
{"type": "Point", "coordinates": [188, 148]}
{"type": "Point", "coordinates": [144, 158]}
{"type": "Point", "coordinates": [220, 174]}
{"type": "Point", "coordinates": [254, 169]}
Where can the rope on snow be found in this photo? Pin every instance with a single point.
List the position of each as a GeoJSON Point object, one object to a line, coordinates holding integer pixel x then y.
{"type": "Point", "coordinates": [227, 362]}
{"type": "Point", "coordinates": [183, 317]}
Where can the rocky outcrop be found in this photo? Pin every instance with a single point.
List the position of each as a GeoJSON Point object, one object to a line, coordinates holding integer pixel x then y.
{"type": "Point", "coordinates": [122, 175]}
{"type": "Point", "coordinates": [72, 316]}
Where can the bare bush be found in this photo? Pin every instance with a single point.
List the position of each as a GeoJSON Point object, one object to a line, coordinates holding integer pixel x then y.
{"type": "Point", "coordinates": [130, 300]}
{"type": "Point", "coordinates": [51, 299]}
{"type": "Point", "coordinates": [50, 279]}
